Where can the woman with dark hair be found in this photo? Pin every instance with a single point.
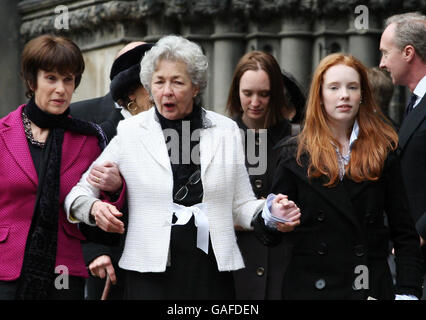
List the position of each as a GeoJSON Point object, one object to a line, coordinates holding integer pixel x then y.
{"type": "Point", "coordinates": [344, 174]}
{"type": "Point", "coordinates": [44, 152]}
{"type": "Point", "coordinates": [259, 101]}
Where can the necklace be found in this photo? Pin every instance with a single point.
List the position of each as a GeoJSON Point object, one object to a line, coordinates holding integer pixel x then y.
{"type": "Point", "coordinates": [29, 133]}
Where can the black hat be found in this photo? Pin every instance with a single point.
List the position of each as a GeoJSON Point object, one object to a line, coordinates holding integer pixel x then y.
{"type": "Point", "coordinates": [294, 95]}
{"type": "Point", "coordinates": [125, 70]}
{"type": "Point", "coordinates": [129, 58]}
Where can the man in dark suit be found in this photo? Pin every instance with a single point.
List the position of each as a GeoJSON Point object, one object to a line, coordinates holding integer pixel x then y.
{"type": "Point", "coordinates": [95, 110]}
{"type": "Point", "coordinates": [403, 47]}
{"type": "Point", "coordinates": [102, 110]}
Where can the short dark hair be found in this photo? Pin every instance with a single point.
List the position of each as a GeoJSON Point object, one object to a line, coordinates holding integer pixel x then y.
{"type": "Point", "coordinates": [50, 53]}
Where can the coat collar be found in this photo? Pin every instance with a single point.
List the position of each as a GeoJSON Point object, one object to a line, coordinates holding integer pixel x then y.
{"type": "Point", "coordinates": [338, 196]}
{"type": "Point", "coordinates": [412, 122]}
{"type": "Point", "coordinates": [152, 137]}
{"type": "Point", "coordinates": [275, 133]}
{"type": "Point", "coordinates": [14, 138]}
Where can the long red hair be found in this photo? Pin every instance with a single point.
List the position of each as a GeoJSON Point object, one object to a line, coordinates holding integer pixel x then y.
{"type": "Point", "coordinates": [375, 139]}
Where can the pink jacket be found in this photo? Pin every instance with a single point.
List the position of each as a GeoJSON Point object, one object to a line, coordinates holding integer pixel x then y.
{"type": "Point", "coordinates": [18, 188]}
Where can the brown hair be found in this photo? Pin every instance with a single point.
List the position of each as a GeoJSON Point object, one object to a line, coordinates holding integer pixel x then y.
{"type": "Point", "coordinates": [375, 139]}
{"type": "Point", "coordinates": [50, 53]}
{"type": "Point", "coordinates": [258, 60]}
{"type": "Point", "coordinates": [382, 87]}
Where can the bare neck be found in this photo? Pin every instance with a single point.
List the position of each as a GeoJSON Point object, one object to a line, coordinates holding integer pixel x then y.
{"type": "Point", "coordinates": [342, 133]}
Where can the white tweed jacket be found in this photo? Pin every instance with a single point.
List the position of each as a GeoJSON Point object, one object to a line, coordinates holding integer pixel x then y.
{"type": "Point", "coordinates": [140, 151]}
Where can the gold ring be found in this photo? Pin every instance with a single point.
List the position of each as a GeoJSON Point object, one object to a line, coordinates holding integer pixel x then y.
{"type": "Point", "coordinates": [98, 180]}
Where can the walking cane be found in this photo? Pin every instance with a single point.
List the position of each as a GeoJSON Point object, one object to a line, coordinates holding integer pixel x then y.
{"type": "Point", "coordinates": [107, 287]}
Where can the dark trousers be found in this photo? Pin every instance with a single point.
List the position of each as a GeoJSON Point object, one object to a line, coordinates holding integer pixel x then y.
{"type": "Point", "coordinates": [74, 292]}
{"type": "Point", "coordinates": [160, 286]}
{"type": "Point", "coordinates": [95, 287]}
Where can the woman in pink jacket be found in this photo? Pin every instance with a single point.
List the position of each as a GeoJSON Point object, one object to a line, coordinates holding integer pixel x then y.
{"type": "Point", "coordinates": [44, 153]}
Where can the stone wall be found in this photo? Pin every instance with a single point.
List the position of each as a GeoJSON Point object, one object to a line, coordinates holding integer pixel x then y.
{"type": "Point", "coordinates": [297, 32]}
{"type": "Point", "coordinates": [11, 89]}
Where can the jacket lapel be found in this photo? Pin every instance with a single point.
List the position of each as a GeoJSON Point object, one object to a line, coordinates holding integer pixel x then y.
{"type": "Point", "coordinates": [411, 122]}
{"type": "Point", "coordinates": [338, 196]}
{"type": "Point", "coordinates": [16, 143]}
{"type": "Point", "coordinates": [356, 187]}
{"type": "Point", "coordinates": [71, 149]}
{"type": "Point", "coordinates": [210, 139]}
{"type": "Point", "coordinates": [151, 136]}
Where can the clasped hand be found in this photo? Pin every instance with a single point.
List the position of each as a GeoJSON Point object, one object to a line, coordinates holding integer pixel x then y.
{"type": "Point", "coordinates": [107, 217]}
{"type": "Point", "coordinates": [288, 210]}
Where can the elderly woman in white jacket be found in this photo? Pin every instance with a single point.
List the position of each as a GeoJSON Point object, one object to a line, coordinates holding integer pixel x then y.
{"type": "Point", "coordinates": [186, 186]}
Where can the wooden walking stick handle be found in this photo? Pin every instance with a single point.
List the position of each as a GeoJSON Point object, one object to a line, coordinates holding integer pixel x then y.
{"type": "Point", "coordinates": [107, 288]}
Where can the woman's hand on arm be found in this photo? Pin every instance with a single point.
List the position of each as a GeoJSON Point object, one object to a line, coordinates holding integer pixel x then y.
{"type": "Point", "coordinates": [106, 177]}
{"type": "Point", "coordinates": [287, 210]}
{"type": "Point", "coordinates": [106, 217]}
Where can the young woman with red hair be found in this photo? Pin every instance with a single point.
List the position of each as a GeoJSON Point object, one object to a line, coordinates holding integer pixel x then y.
{"type": "Point", "coordinates": [343, 173]}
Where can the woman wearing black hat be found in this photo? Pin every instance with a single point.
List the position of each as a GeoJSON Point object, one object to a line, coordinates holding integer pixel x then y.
{"type": "Point", "coordinates": [258, 101]}
{"type": "Point", "coordinates": [130, 98]}
{"type": "Point", "coordinates": [126, 88]}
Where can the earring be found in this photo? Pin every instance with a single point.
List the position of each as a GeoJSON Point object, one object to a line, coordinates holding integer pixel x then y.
{"type": "Point", "coordinates": [130, 108]}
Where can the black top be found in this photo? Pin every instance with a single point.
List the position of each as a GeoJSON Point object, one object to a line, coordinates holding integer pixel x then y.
{"type": "Point", "coordinates": [343, 231]}
{"type": "Point", "coordinates": [264, 267]}
{"type": "Point", "coordinates": [261, 180]}
{"type": "Point", "coordinates": [182, 170]}
{"type": "Point", "coordinates": [192, 274]}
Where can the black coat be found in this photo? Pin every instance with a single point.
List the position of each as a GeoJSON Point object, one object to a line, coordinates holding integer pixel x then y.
{"type": "Point", "coordinates": [412, 142]}
{"type": "Point", "coordinates": [103, 112]}
{"type": "Point", "coordinates": [263, 273]}
{"type": "Point", "coordinates": [94, 110]}
{"type": "Point", "coordinates": [344, 234]}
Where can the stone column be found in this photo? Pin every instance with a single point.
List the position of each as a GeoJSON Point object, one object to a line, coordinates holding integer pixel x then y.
{"type": "Point", "coordinates": [365, 46]}
{"type": "Point", "coordinates": [229, 46]}
{"type": "Point", "coordinates": [263, 35]}
{"type": "Point", "coordinates": [330, 37]}
{"type": "Point", "coordinates": [199, 30]}
{"type": "Point", "coordinates": [296, 49]}
{"type": "Point", "coordinates": [95, 81]}
{"type": "Point", "coordinates": [159, 26]}
{"type": "Point", "coordinates": [364, 40]}
{"type": "Point", "coordinates": [11, 85]}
